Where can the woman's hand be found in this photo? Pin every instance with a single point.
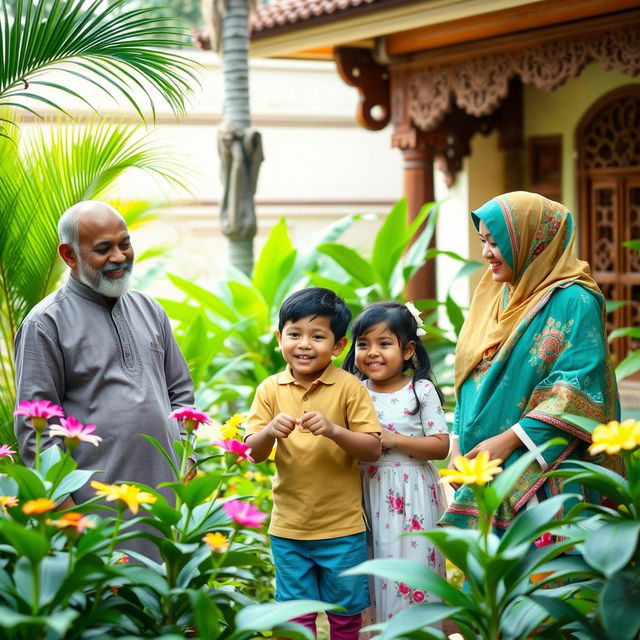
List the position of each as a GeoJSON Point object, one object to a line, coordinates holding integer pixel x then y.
{"type": "Point", "coordinates": [500, 446]}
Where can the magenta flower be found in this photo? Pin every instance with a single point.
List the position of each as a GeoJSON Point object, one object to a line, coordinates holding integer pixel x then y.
{"type": "Point", "coordinates": [74, 432]}
{"type": "Point", "coordinates": [240, 449]}
{"type": "Point", "coordinates": [38, 411]}
{"type": "Point", "coordinates": [403, 588]}
{"type": "Point", "coordinates": [6, 451]}
{"type": "Point", "coordinates": [191, 418]}
{"type": "Point", "coordinates": [244, 513]}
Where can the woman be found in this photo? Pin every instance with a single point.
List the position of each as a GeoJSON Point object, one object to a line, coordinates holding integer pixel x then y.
{"type": "Point", "coordinates": [532, 348]}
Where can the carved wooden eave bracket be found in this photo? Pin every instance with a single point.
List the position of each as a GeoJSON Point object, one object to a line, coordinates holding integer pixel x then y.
{"type": "Point", "coordinates": [480, 83]}
{"type": "Point", "coordinates": [358, 69]}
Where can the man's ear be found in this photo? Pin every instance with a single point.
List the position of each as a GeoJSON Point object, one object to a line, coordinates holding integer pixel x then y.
{"type": "Point", "coordinates": [68, 255]}
{"type": "Point", "coordinates": [340, 345]}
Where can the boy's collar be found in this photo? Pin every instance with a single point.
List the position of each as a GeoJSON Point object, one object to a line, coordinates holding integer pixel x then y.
{"type": "Point", "coordinates": [328, 376]}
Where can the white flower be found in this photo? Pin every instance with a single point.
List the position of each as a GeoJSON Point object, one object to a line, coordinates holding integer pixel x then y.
{"type": "Point", "coordinates": [416, 314]}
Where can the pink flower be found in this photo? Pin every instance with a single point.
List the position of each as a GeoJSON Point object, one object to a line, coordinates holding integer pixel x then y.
{"type": "Point", "coordinates": [418, 596]}
{"type": "Point", "coordinates": [543, 540]}
{"type": "Point", "coordinates": [372, 470]}
{"type": "Point", "coordinates": [244, 513]}
{"type": "Point", "coordinates": [191, 418]}
{"type": "Point", "coordinates": [403, 588]}
{"type": "Point", "coordinates": [398, 504]}
{"type": "Point", "coordinates": [237, 447]}
{"type": "Point", "coordinates": [38, 411]}
{"type": "Point", "coordinates": [415, 525]}
{"type": "Point", "coordinates": [6, 451]}
{"type": "Point", "coordinates": [74, 432]}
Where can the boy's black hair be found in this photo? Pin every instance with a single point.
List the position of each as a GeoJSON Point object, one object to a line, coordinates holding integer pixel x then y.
{"type": "Point", "coordinates": [316, 301]}
{"type": "Point", "coordinates": [404, 326]}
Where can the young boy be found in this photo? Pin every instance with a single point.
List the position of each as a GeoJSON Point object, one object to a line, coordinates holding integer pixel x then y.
{"type": "Point", "coordinates": [324, 422]}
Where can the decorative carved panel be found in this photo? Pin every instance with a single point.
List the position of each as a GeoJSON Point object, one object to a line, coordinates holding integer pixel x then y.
{"type": "Point", "coordinates": [609, 180]}
{"type": "Point", "coordinates": [477, 84]}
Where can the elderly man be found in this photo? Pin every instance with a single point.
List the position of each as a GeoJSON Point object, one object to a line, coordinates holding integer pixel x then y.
{"type": "Point", "coordinates": [105, 354]}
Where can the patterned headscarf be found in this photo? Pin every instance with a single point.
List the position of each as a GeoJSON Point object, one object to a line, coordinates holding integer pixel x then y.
{"type": "Point", "coordinates": [536, 238]}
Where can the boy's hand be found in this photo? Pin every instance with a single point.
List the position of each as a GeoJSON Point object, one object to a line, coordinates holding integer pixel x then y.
{"type": "Point", "coordinates": [281, 426]}
{"type": "Point", "coordinates": [388, 439]}
{"type": "Point", "coordinates": [317, 424]}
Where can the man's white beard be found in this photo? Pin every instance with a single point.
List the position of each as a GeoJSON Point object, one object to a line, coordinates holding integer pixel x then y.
{"type": "Point", "coordinates": [95, 279]}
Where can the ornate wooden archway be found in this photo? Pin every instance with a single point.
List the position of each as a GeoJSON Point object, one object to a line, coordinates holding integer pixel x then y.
{"type": "Point", "coordinates": [608, 144]}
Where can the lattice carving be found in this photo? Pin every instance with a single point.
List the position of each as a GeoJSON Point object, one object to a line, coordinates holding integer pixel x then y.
{"type": "Point", "coordinates": [551, 64]}
{"type": "Point", "coordinates": [429, 96]}
{"type": "Point", "coordinates": [618, 50]}
{"type": "Point", "coordinates": [614, 138]}
{"type": "Point", "coordinates": [604, 248]}
{"type": "Point", "coordinates": [479, 84]}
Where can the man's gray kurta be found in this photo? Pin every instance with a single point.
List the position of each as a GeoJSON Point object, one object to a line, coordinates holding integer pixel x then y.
{"type": "Point", "coordinates": [118, 368]}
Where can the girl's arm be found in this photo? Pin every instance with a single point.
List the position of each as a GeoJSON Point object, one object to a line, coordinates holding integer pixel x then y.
{"type": "Point", "coordinates": [435, 447]}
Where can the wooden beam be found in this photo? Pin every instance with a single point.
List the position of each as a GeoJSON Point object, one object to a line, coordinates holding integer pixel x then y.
{"type": "Point", "coordinates": [507, 21]}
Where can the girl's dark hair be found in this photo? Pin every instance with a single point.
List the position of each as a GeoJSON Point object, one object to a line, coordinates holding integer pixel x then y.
{"type": "Point", "coordinates": [403, 325]}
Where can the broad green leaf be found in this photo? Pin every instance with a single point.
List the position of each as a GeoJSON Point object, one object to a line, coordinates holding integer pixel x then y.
{"type": "Point", "coordinates": [28, 542]}
{"type": "Point", "coordinates": [521, 618]}
{"type": "Point", "coordinates": [249, 303]}
{"type": "Point", "coordinates": [629, 366]}
{"type": "Point", "coordinates": [632, 244]}
{"type": "Point", "coordinates": [611, 547]}
{"type": "Point", "coordinates": [72, 482]}
{"type": "Point", "coordinates": [199, 489]}
{"type": "Point", "coordinates": [351, 261]}
{"type": "Point", "coordinates": [204, 297]}
{"type": "Point", "coordinates": [583, 422]}
{"type": "Point", "coordinates": [631, 332]}
{"type": "Point", "coordinates": [418, 617]}
{"type": "Point", "coordinates": [29, 482]}
{"type": "Point", "coordinates": [264, 617]}
{"type": "Point", "coordinates": [531, 523]}
{"type": "Point", "coordinates": [389, 243]}
{"type": "Point", "coordinates": [414, 574]}
{"type": "Point", "coordinates": [454, 313]}
{"type": "Point", "coordinates": [619, 605]}
{"type": "Point", "coordinates": [275, 262]}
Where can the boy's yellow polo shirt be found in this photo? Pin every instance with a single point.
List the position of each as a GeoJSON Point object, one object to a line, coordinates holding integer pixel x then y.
{"type": "Point", "coordinates": [316, 488]}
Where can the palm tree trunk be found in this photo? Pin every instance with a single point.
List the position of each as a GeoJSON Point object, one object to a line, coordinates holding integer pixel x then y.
{"type": "Point", "coordinates": [239, 146]}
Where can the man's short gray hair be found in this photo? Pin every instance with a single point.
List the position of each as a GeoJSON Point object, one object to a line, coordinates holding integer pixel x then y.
{"type": "Point", "coordinates": [69, 221]}
{"type": "Point", "coordinates": [68, 227]}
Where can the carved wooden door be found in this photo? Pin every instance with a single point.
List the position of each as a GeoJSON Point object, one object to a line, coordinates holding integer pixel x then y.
{"type": "Point", "coordinates": [609, 181]}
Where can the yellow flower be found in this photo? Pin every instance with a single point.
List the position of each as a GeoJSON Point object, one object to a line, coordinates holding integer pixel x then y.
{"type": "Point", "coordinates": [40, 505]}
{"type": "Point", "coordinates": [256, 476]}
{"type": "Point", "coordinates": [73, 519]}
{"type": "Point", "coordinates": [614, 435]}
{"type": "Point", "coordinates": [131, 495]}
{"type": "Point", "coordinates": [216, 541]}
{"type": "Point", "coordinates": [231, 428]}
{"type": "Point", "coordinates": [8, 501]}
{"type": "Point", "coordinates": [480, 470]}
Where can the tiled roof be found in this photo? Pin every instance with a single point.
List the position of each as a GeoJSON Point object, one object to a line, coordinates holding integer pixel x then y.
{"type": "Point", "coordinates": [283, 13]}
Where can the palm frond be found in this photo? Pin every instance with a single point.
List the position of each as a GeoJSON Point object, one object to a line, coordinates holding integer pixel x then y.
{"type": "Point", "coordinates": [39, 180]}
{"type": "Point", "coordinates": [99, 43]}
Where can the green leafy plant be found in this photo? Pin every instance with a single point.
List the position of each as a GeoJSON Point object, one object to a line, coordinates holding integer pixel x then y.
{"type": "Point", "coordinates": [505, 575]}
{"type": "Point", "coordinates": [65, 573]}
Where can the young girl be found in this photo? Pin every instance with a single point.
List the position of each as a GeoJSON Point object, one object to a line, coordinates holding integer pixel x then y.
{"type": "Point", "coordinates": [401, 490]}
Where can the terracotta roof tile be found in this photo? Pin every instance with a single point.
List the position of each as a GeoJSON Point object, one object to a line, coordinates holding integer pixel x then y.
{"type": "Point", "coordinates": [280, 13]}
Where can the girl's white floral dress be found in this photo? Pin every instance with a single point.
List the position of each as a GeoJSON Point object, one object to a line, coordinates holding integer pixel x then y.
{"type": "Point", "coordinates": [403, 494]}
